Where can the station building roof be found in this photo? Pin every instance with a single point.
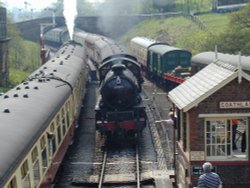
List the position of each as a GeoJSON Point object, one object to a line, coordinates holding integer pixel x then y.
{"type": "Point", "coordinates": [204, 83]}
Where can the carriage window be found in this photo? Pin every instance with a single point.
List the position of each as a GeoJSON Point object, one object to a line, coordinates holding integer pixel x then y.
{"type": "Point", "coordinates": [159, 62]}
{"type": "Point", "coordinates": [35, 162]}
{"type": "Point", "coordinates": [25, 174]}
{"type": "Point", "coordinates": [52, 140]}
{"type": "Point", "coordinates": [58, 123]}
{"type": "Point", "coordinates": [67, 114]}
{"type": "Point", "coordinates": [44, 153]}
{"type": "Point", "coordinates": [226, 139]}
{"type": "Point", "coordinates": [151, 59]}
{"type": "Point", "coordinates": [24, 169]}
{"type": "Point", "coordinates": [59, 134]}
{"type": "Point", "coordinates": [171, 60]}
{"type": "Point", "coordinates": [13, 183]}
{"type": "Point", "coordinates": [63, 122]}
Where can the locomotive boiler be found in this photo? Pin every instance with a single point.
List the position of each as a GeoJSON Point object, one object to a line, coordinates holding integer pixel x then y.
{"type": "Point", "coordinates": [120, 109]}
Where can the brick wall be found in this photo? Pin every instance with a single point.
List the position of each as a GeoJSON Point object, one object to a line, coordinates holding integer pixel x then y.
{"type": "Point", "coordinates": [233, 173]}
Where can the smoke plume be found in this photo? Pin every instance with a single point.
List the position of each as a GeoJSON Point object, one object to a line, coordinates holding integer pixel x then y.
{"type": "Point", "coordinates": [70, 13]}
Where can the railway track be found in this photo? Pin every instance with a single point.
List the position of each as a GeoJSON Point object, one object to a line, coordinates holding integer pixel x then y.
{"type": "Point", "coordinates": [125, 165]}
{"type": "Point", "coordinates": [132, 165]}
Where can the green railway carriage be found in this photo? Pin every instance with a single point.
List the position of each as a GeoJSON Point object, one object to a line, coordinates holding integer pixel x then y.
{"type": "Point", "coordinates": [163, 59]}
{"type": "Point", "coordinates": [56, 36]}
{"type": "Point", "coordinates": [139, 46]}
{"type": "Point", "coordinates": [162, 63]}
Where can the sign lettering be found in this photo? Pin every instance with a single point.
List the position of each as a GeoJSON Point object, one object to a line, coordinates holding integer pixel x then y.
{"type": "Point", "coordinates": [234, 104]}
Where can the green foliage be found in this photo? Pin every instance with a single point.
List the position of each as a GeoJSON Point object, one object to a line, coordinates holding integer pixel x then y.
{"type": "Point", "coordinates": [23, 55]}
{"type": "Point", "coordinates": [229, 32]}
{"type": "Point", "coordinates": [194, 6]}
{"type": "Point", "coordinates": [236, 37]}
{"type": "Point", "coordinates": [128, 7]}
{"type": "Point", "coordinates": [85, 8]}
{"type": "Point", "coordinates": [124, 7]}
{"type": "Point", "coordinates": [215, 22]}
{"type": "Point", "coordinates": [16, 76]}
{"type": "Point", "coordinates": [181, 32]}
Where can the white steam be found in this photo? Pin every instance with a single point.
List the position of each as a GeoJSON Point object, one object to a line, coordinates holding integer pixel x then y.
{"type": "Point", "coordinates": [70, 13]}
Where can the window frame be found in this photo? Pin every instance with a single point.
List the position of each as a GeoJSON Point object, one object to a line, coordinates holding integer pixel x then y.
{"type": "Point", "coordinates": [229, 155]}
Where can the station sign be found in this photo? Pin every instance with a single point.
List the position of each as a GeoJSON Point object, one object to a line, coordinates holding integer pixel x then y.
{"type": "Point", "coordinates": [234, 104]}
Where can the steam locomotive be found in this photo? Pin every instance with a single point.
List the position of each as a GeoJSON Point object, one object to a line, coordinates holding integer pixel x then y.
{"type": "Point", "coordinates": [119, 109]}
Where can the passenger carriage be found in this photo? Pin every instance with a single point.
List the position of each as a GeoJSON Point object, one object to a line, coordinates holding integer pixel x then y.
{"type": "Point", "coordinates": [38, 119]}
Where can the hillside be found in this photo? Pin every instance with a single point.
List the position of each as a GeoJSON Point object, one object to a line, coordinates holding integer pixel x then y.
{"type": "Point", "coordinates": [180, 31]}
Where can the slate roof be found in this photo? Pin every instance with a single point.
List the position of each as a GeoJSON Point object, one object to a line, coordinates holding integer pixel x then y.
{"type": "Point", "coordinates": [204, 83]}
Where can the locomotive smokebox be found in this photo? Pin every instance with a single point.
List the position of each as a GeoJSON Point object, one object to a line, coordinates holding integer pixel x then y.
{"type": "Point", "coordinates": [120, 88]}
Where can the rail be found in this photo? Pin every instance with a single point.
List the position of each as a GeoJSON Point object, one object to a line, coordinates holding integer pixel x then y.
{"type": "Point", "coordinates": [136, 168]}
{"type": "Point", "coordinates": [138, 177]}
{"type": "Point", "coordinates": [104, 162]}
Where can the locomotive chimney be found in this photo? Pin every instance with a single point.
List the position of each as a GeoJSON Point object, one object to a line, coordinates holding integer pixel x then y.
{"type": "Point", "coordinates": [118, 68]}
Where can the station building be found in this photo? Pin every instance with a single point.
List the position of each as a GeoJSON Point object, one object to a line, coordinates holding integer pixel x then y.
{"type": "Point", "coordinates": [212, 124]}
{"type": "Point", "coordinates": [4, 49]}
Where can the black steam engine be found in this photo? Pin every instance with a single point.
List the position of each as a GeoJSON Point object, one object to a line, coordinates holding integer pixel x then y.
{"type": "Point", "coordinates": [120, 109]}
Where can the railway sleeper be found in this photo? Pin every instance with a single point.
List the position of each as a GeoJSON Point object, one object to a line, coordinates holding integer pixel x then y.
{"type": "Point", "coordinates": [114, 179]}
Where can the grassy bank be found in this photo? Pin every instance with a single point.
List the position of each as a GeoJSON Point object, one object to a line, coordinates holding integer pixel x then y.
{"type": "Point", "coordinates": [179, 31]}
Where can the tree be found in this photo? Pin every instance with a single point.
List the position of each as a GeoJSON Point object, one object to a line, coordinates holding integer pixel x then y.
{"type": "Point", "coordinates": [85, 8]}
{"type": "Point", "coordinates": [23, 55]}
{"type": "Point", "coordinates": [163, 5]}
{"type": "Point", "coordinates": [125, 7]}
{"type": "Point", "coordinates": [241, 19]}
{"type": "Point", "coordinates": [236, 38]}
